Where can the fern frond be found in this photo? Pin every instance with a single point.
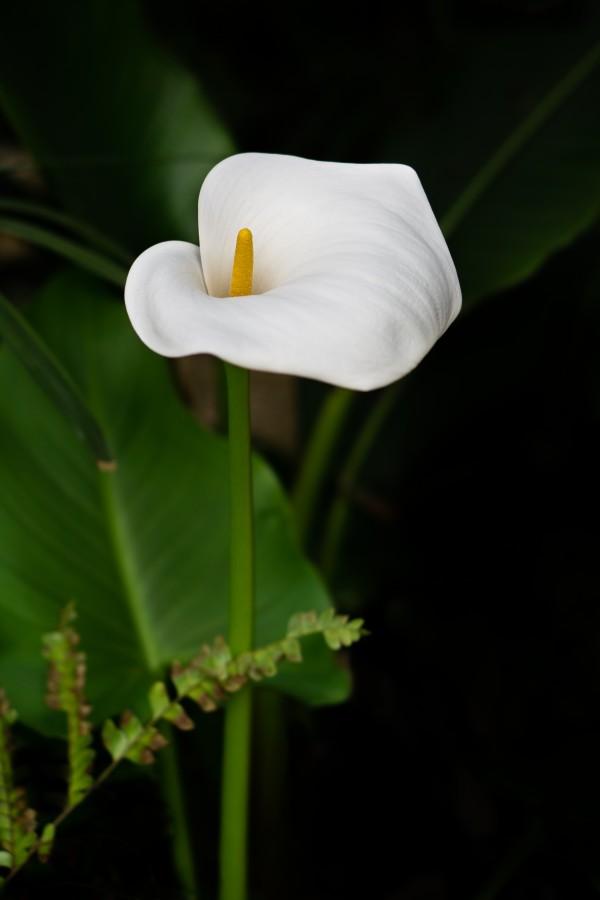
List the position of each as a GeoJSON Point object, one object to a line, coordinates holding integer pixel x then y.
{"type": "Point", "coordinates": [338, 630]}
{"type": "Point", "coordinates": [17, 820]}
{"type": "Point", "coordinates": [207, 680]}
{"type": "Point", "coordinates": [132, 740]}
{"type": "Point", "coordinates": [66, 685]}
{"type": "Point", "coordinates": [214, 674]}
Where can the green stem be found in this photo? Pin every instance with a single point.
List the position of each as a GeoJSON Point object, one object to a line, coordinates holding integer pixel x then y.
{"type": "Point", "coordinates": [338, 515]}
{"type": "Point", "coordinates": [270, 773]}
{"type": "Point", "coordinates": [324, 436]}
{"type": "Point", "coordinates": [234, 797]}
{"type": "Point", "coordinates": [173, 791]}
{"type": "Point", "coordinates": [238, 711]}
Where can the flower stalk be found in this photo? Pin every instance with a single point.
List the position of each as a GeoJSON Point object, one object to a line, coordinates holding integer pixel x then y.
{"type": "Point", "coordinates": [238, 712]}
{"type": "Point", "coordinates": [353, 285]}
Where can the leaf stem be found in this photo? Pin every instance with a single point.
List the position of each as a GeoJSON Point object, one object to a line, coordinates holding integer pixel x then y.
{"type": "Point", "coordinates": [338, 514]}
{"type": "Point", "coordinates": [324, 436]}
{"type": "Point", "coordinates": [238, 712]}
{"type": "Point", "coordinates": [98, 241]}
{"type": "Point", "coordinates": [85, 257]}
{"type": "Point", "coordinates": [173, 790]}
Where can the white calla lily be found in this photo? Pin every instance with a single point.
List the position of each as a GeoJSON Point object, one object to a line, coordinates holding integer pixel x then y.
{"type": "Point", "coordinates": [353, 282]}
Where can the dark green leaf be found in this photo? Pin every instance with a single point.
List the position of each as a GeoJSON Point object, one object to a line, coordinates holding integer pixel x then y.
{"type": "Point", "coordinates": [28, 210]}
{"type": "Point", "coordinates": [46, 842]}
{"type": "Point", "coordinates": [177, 716]}
{"type": "Point", "coordinates": [510, 158]}
{"type": "Point", "coordinates": [159, 699]}
{"type": "Point", "coordinates": [122, 132]}
{"type": "Point", "coordinates": [89, 260]}
{"type": "Point", "coordinates": [52, 378]}
{"type": "Point", "coordinates": [143, 551]}
{"type": "Point", "coordinates": [114, 739]}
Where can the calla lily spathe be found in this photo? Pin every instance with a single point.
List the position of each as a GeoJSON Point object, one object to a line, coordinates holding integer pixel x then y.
{"type": "Point", "coordinates": [353, 281]}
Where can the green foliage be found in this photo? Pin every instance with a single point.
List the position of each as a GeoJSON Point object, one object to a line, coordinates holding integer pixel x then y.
{"type": "Point", "coordinates": [144, 550]}
{"type": "Point", "coordinates": [46, 841]}
{"type": "Point", "coordinates": [66, 684]}
{"type": "Point", "coordinates": [50, 376]}
{"type": "Point", "coordinates": [518, 176]}
{"type": "Point", "coordinates": [338, 631]}
{"type": "Point", "coordinates": [17, 821]}
{"type": "Point", "coordinates": [89, 260]}
{"type": "Point", "coordinates": [32, 214]}
{"type": "Point", "coordinates": [207, 679]}
{"type": "Point", "coordinates": [132, 740]}
{"type": "Point", "coordinates": [213, 674]}
{"type": "Point", "coordinates": [133, 136]}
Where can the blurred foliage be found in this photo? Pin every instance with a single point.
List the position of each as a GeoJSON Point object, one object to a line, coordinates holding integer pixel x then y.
{"type": "Point", "coordinates": [472, 544]}
{"type": "Point", "coordinates": [438, 86]}
{"type": "Point", "coordinates": [124, 132]}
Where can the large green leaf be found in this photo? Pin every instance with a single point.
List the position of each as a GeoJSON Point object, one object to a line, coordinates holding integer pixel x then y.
{"type": "Point", "coordinates": [510, 156]}
{"type": "Point", "coordinates": [35, 356]}
{"type": "Point", "coordinates": [122, 132]}
{"type": "Point", "coordinates": [142, 551]}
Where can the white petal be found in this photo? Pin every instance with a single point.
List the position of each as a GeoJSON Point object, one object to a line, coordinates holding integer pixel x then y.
{"type": "Point", "coordinates": [354, 282]}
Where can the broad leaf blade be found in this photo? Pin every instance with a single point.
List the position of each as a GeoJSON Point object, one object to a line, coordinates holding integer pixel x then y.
{"type": "Point", "coordinates": [143, 552]}
{"type": "Point", "coordinates": [546, 194]}
{"type": "Point", "coordinates": [53, 380]}
{"type": "Point", "coordinates": [510, 159]}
